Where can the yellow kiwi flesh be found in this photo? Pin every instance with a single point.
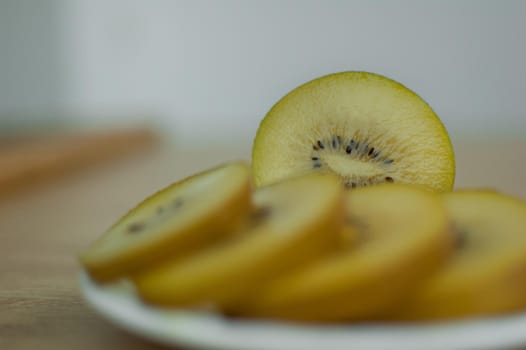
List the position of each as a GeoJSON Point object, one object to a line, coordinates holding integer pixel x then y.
{"type": "Point", "coordinates": [172, 222]}
{"type": "Point", "coordinates": [486, 273]}
{"type": "Point", "coordinates": [402, 238]}
{"type": "Point", "coordinates": [364, 127]}
{"type": "Point", "coordinates": [294, 222]}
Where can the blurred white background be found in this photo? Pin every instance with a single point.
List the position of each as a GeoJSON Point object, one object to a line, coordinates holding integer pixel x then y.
{"type": "Point", "coordinates": [209, 70]}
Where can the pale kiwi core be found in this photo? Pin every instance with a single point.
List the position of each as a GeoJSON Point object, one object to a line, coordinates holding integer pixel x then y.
{"type": "Point", "coordinates": [366, 128]}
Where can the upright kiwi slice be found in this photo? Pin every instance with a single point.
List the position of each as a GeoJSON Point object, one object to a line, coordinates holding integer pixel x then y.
{"type": "Point", "coordinates": [486, 273]}
{"type": "Point", "coordinates": [364, 127]}
{"type": "Point", "coordinates": [402, 238]}
{"type": "Point", "coordinates": [294, 222]}
{"type": "Point", "coordinates": [179, 218]}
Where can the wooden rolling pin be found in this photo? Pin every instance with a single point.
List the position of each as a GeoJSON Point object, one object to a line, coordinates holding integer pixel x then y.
{"type": "Point", "coordinates": [40, 158]}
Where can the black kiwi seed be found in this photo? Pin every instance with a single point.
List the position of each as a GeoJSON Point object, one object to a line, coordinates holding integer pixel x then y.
{"type": "Point", "coordinates": [347, 184]}
{"type": "Point", "coordinates": [160, 210]}
{"type": "Point", "coordinates": [260, 214]}
{"type": "Point", "coordinates": [362, 150]}
{"type": "Point", "coordinates": [460, 237]}
{"type": "Point", "coordinates": [136, 227]}
{"type": "Point", "coordinates": [177, 203]}
{"type": "Point", "coordinates": [336, 140]}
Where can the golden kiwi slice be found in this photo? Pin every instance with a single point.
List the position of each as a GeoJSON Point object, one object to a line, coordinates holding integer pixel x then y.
{"type": "Point", "coordinates": [364, 127]}
{"type": "Point", "coordinates": [486, 273]}
{"type": "Point", "coordinates": [177, 219]}
{"type": "Point", "coordinates": [294, 222]}
{"type": "Point", "coordinates": [402, 238]}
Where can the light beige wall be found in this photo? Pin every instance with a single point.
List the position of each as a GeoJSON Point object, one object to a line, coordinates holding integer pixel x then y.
{"type": "Point", "coordinates": [212, 69]}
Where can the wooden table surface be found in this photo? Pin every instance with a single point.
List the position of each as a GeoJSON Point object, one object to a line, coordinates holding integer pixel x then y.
{"type": "Point", "coordinates": [43, 227]}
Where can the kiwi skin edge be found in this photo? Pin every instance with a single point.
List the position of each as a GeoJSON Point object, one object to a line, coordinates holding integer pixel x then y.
{"type": "Point", "coordinates": [440, 159]}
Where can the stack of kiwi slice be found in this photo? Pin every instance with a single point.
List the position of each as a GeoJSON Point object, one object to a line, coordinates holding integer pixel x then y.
{"type": "Point", "coordinates": [347, 213]}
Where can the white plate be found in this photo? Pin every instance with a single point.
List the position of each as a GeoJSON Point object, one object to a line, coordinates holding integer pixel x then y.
{"type": "Point", "coordinates": [199, 330]}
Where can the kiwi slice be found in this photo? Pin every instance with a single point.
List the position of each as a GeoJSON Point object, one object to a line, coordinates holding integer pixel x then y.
{"type": "Point", "coordinates": [294, 222]}
{"type": "Point", "coordinates": [402, 237]}
{"type": "Point", "coordinates": [364, 127]}
{"type": "Point", "coordinates": [177, 219]}
{"type": "Point", "coordinates": [485, 274]}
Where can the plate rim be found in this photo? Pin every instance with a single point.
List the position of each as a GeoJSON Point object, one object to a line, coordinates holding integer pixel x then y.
{"type": "Point", "coordinates": [184, 328]}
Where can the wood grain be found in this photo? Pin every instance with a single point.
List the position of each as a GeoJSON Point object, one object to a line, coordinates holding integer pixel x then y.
{"type": "Point", "coordinates": [42, 229]}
